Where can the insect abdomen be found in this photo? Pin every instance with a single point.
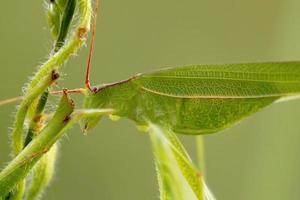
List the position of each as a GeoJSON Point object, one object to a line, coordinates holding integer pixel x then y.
{"type": "Point", "coordinates": [194, 116]}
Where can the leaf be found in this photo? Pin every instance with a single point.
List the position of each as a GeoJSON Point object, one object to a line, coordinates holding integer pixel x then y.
{"type": "Point", "coordinates": [60, 14]}
{"type": "Point", "coordinates": [54, 15]}
{"type": "Point", "coordinates": [198, 99]}
{"type": "Point", "coordinates": [178, 179]}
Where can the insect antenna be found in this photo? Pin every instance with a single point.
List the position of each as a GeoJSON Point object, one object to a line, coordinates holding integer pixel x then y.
{"type": "Point", "coordinates": [88, 69]}
{"type": "Point", "coordinates": [53, 92]}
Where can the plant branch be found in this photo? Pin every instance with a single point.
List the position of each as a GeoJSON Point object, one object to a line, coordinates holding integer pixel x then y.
{"type": "Point", "coordinates": [20, 166]}
{"type": "Point", "coordinates": [76, 41]}
{"type": "Point", "coordinates": [60, 123]}
{"type": "Point", "coordinates": [36, 122]}
{"type": "Point", "coordinates": [44, 168]}
{"type": "Point", "coordinates": [35, 88]}
{"type": "Point", "coordinates": [71, 47]}
{"type": "Point", "coordinates": [200, 154]}
{"type": "Point", "coordinates": [17, 133]}
{"type": "Point", "coordinates": [42, 174]}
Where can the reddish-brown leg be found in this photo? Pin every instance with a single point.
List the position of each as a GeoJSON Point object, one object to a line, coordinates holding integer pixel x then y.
{"type": "Point", "coordinates": [87, 76]}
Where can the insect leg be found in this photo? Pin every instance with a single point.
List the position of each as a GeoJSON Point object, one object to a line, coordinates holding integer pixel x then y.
{"type": "Point", "coordinates": [87, 76]}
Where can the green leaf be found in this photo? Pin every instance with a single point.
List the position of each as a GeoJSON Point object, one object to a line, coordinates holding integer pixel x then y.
{"type": "Point", "coordinates": [55, 14]}
{"type": "Point", "coordinates": [198, 99]}
{"type": "Point", "coordinates": [178, 179]}
{"type": "Point", "coordinates": [60, 14]}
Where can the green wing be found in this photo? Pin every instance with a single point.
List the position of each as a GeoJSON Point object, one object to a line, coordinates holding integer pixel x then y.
{"type": "Point", "coordinates": [200, 99]}
{"type": "Point", "coordinates": [225, 81]}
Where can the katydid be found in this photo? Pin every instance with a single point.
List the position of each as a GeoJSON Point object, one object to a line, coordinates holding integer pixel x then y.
{"type": "Point", "coordinates": [193, 100]}
{"type": "Point", "coordinates": [197, 99]}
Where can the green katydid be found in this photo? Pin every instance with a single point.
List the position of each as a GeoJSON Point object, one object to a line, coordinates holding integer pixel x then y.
{"type": "Point", "coordinates": [190, 100]}
{"type": "Point", "coordinates": [197, 99]}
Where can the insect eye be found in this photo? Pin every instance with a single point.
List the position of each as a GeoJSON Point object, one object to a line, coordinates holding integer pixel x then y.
{"type": "Point", "coordinates": [52, 1]}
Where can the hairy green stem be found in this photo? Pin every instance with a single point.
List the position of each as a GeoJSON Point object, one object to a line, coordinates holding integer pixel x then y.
{"type": "Point", "coordinates": [23, 163]}
{"type": "Point", "coordinates": [17, 133]}
{"type": "Point", "coordinates": [35, 124]}
{"type": "Point", "coordinates": [76, 41]}
{"type": "Point", "coordinates": [42, 174]}
{"type": "Point", "coordinates": [35, 88]}
{"type": "Point", "coordinates": [18, 192]}
{"type": "Point", "coordinates": [72, 45]}
{"type": "Point", "coordinates": [44, 169]}
{"type": "Point", "coordinates": [19, 167]}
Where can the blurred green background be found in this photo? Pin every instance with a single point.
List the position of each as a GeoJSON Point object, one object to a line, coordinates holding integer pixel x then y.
{"type": "Point", "coordinates": [258, 159]}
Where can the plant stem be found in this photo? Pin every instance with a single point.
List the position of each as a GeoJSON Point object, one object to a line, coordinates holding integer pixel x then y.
{"type": "Point", "coordinates": [44, 169]}
{"type": "Point", "coordinates": [17, 133]}
{"type": "Point", "coordinates": [34, 89]}
{"type": "Point", "coordinates": [36, 122]}
{"type": "Point", "coordinates": [42, 174]}
{"type": "Point", "coordinates": [76, 41]}
{"type": "Point", "coordinates": [17, 194]}
{"type": "Point", "coordinates": [200, 154]}
{"type": "Point", "coordinates": [22, 164]}
{"type": "Point", "coordinates": [61, 122]}
{"type": "Point", "coordinates": [71, 47]}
